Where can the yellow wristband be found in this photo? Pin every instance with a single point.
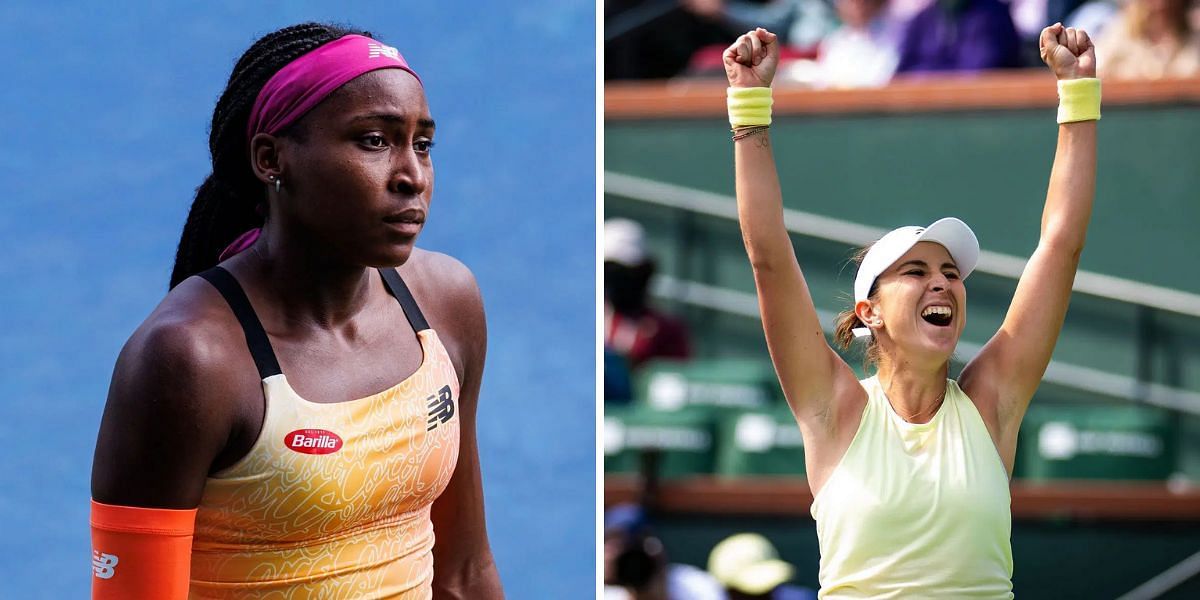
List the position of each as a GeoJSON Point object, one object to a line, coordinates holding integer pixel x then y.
{"type": "Point", "coordinates": [1079, 100]}
{"type": "Point", "coordinates": [749, 106]}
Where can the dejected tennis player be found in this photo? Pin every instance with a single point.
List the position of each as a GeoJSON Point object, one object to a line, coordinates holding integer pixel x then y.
{"type": "Point", "coordinates": [909, 468]}
{"type": "Point", "coordinates": [296, 419]}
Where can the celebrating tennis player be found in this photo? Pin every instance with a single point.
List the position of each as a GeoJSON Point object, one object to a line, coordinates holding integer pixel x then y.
{"type": "Point", "coordinates": [910, 469]}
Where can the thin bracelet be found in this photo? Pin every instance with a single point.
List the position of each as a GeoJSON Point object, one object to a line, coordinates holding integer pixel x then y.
{"type": "Point", "coordinates": [745, 132]}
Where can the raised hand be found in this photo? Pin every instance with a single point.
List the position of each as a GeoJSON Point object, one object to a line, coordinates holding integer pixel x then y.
{"type": "Point", "coordinates": [752, 59]}
{"type": "Point", "coordinates": [1069, 52]}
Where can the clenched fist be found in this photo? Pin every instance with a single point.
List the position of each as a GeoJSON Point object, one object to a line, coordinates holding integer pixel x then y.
{"type": "Point", "coordinates": [752, 59]}
{"type": "Point", "coordinates": [1069, 52]}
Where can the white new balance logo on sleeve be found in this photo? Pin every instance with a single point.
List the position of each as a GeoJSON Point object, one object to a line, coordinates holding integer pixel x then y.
{"type": "Point", "coordinates": [104, 566]}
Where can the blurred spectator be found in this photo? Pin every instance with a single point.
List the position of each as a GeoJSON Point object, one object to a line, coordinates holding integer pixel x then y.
{"type": "Point", "coordinates": [1031, 16]}
{"type": "Point", "coordinates": [1150, 39]}
{"type": "Point", "coordinates": [749, 568]}
{"type": "Point", "coordinates": [904, 10]}
{"type": "Point", "coordinates": [618, 385]}
{"type": "Point", "coordinates": [960, 35]}
{"type": "Point", "coordinates": [862, 52]}
{"type": "Point", "coordinates": [655, 39]}
{"type": "Point", "coordinates": [632, 328]}
{"type": "Point", "coordinates": [800, 24]}
{"type": "Point", "coordinates": [1093, 17]}
{"type": "Point", "coordinates": [636, 566]}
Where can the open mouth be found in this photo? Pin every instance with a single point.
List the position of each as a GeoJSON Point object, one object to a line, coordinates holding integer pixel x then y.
{"type": "Point", "coordinates": [938, 315]}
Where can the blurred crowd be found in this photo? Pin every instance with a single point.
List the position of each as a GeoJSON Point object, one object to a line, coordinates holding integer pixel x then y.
{"type": "Point", "coordinates": [743, 566]}
{"type": "Point", "coordinates": [635, 331]}
{"type": "Point", "coordinates": [865, 43]}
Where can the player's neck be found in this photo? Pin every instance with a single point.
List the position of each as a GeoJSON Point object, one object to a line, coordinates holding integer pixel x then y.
{"type": "Point", "coordinates": [915, 394]}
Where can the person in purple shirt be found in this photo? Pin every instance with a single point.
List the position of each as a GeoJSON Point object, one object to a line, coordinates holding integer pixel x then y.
{"type": "Point", "coordinates": [959, 35]}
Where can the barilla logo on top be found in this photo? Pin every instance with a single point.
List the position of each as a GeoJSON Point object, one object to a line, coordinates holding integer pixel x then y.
{"type": "Point", "coordinates": [313, 441]}
{"type": "Point", "coordinates": [377, 50]}
{"type": "Point", "coordinates": [104, 565]}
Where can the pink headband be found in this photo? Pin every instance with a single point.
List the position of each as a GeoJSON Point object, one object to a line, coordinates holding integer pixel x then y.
{"type": "Point", "coordinates": [306, 81]}
{"type": "Point", "coordinates": [303, 84]}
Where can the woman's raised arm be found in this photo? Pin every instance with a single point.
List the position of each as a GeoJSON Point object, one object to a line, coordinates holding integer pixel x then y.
{"type": "Point", "coordinates": [1009, 368]}
{"type": "Point", "coordinates": [808, 368]}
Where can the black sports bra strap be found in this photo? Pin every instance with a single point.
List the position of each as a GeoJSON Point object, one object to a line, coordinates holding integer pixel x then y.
{"type": "Point", "coordinates": [256, 336]}
{"type": "Point", "coordinates": [399, 290]}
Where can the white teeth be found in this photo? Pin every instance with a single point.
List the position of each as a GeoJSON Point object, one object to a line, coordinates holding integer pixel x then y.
{"type": "Point", "coordinates": [936, 310]}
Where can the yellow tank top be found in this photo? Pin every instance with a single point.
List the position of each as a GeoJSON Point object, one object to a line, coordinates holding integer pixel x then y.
{"type": "Point", "coordinates": [916, 510]}
{"type": "Point", "coordinates": [333, 500]}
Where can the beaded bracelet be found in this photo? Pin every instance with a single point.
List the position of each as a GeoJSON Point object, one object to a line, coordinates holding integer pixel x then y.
{"type": "Point", "coordinates": [745, 132]}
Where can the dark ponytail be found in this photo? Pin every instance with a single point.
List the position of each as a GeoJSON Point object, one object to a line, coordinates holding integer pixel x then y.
{"type": "Point", "coordinates": [226, 204]}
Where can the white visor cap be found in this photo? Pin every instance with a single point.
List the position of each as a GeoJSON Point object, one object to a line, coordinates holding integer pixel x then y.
{"type": "Point", "coordinates": [951, 233]}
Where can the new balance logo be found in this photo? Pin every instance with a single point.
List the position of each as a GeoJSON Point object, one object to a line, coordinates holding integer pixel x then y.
{"type": "Point", "coordinates": [441, 407]}
{"type": "Point", "coordinates": [104, 566]}
{"type": "Point", "coordinates": [377, 50]}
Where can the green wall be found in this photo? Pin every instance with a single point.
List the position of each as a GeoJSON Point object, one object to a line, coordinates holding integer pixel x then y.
{"type": "Point", "coordinates": [989, 168]}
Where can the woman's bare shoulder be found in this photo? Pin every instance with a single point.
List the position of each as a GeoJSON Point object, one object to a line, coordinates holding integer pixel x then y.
{"type": "Point", "coordinates": [449, 296]}
{"type": "Point", "coordinates": [173, 401]}
{"type": "Point", "coordinates": [428, 269]}
{"type": "Point", "coordinates": [192, 328]}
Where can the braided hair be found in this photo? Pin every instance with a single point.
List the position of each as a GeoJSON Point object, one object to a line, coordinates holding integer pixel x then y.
{"type": "Point", "coordinates": [226, 204]}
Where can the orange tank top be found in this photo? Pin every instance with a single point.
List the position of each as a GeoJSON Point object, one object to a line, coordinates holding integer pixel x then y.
{"type": "Point", "coordinates": [332, 500]}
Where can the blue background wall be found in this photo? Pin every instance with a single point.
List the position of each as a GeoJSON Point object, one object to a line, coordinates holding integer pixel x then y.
{"type": "Point", "coordinates": [103, 139]}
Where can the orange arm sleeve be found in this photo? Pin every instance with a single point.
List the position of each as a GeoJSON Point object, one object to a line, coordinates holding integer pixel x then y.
{"type": "Point", "coordinates": [141, 552]}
